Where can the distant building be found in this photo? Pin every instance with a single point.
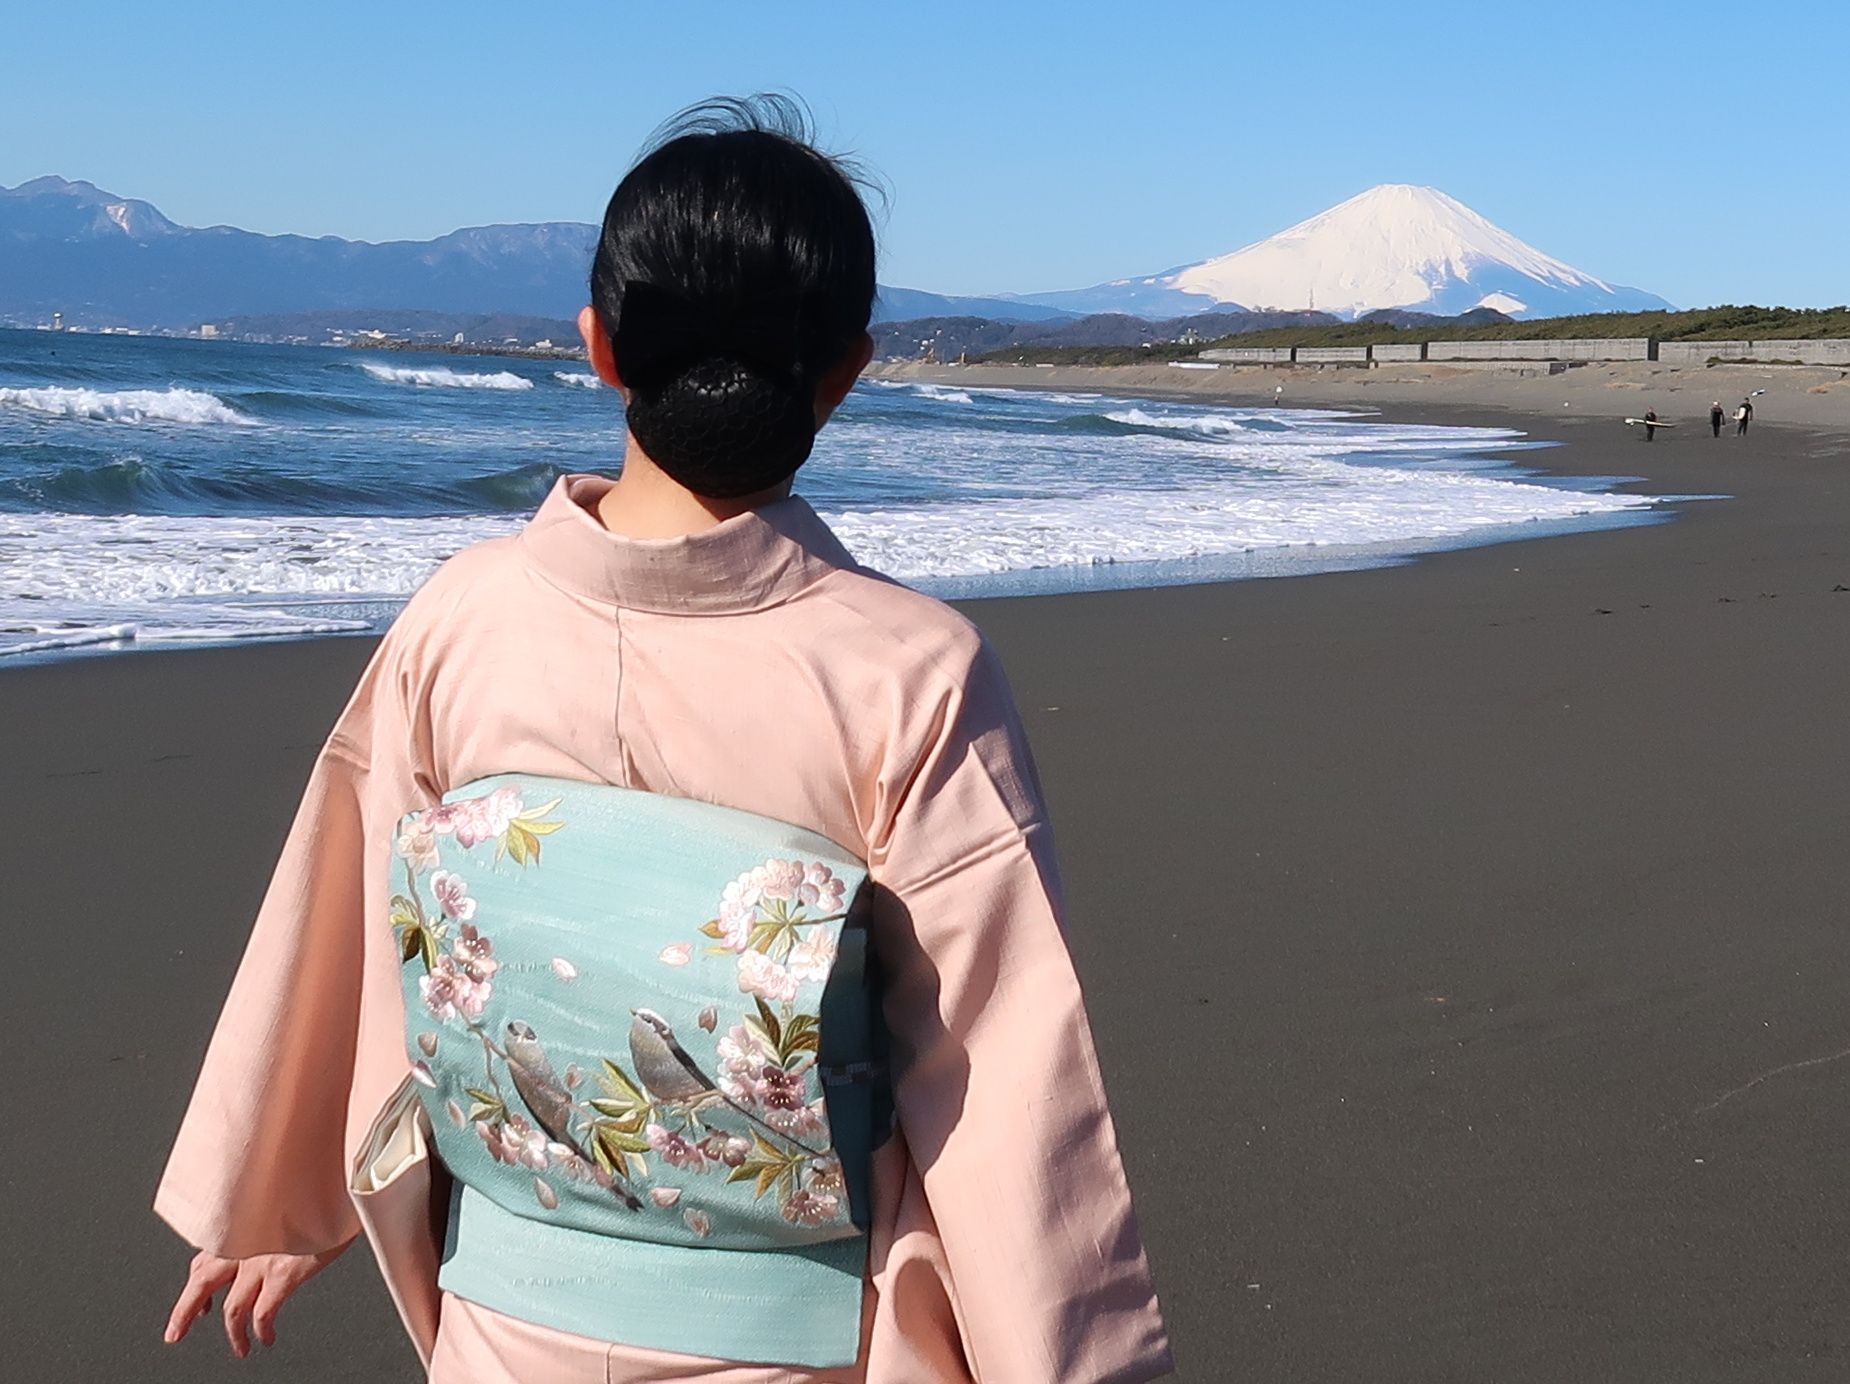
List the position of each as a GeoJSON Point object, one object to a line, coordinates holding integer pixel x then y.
{"type": "Point", "coordinates": [208, 331]}
{"type": "Point", "coordinates": [456, 340]}
{"type": "Point", "coordinates": [543, 344]}
{"type": "Point", "coordinates": [57, 321]}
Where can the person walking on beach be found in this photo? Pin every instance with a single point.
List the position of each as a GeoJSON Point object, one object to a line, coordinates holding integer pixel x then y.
{"type": "Point", "coordinates": [673, 907]}
{"type": "Point", "coordinates": [1715, 418]}
{"type": "Point", "coordinates": [1650, 425]}
{"type": "Point", "coordinates": [1743, 416]}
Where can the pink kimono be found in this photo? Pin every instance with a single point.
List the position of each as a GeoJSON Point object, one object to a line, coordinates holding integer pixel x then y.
{"type": "Point", "coordinates": [754, 666]}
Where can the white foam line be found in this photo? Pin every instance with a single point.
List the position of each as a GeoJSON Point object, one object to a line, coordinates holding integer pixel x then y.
{"type": "Point", "coordinates": [70, 639]}
{"type": "Point", "coordinates": [443, 377]}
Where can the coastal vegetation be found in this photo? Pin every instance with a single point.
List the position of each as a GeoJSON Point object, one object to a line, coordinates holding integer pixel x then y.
{"type": "Point", "coordinates": [1726, 323]}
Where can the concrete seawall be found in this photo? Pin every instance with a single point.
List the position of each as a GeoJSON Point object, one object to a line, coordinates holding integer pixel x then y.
{"type": "Point", "coordinates": [1610, 348]}
{"type": "Point", "coordinates": [1834, 351]}
{"type": "Point", "coordinates": [1250, 355]}
{"type": "Point", "coordinates": [1824, 352]}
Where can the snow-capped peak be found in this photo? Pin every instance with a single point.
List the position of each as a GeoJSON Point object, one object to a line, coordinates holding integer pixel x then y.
{"type": "Point", "coordinates": [1393, 246]}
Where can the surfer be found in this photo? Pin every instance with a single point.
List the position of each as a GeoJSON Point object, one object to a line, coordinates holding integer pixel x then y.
{"type": "Point", "coordinates": [1743, 416]}
{"type": "Point", "coordinates": [1650, 425]}
{"type": "Point", "coordinates": [1715, 417]}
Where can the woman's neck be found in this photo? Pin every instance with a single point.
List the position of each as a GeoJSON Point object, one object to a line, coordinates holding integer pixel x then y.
{"type": "Point", "coordinates": [645, 502]}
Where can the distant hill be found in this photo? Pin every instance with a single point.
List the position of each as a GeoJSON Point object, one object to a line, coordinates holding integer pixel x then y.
{"type": "Point", "coordinates": [899, 304]}
{"type": "Point", "coordinates": [105, 260]}
{"type": "Point", "coordinates": [1407, 317]}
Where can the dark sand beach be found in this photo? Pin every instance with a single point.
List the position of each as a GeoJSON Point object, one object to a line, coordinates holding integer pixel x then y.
{"type": "Point", "coordinates": [1465, 942]}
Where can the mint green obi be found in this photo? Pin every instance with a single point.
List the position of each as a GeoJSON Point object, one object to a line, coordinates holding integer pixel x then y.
{"type": "Point", "coordinates": [648, 1044]}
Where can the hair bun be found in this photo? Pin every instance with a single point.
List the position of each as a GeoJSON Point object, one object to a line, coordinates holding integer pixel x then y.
{"type": "Point", "coordinates": [724, 429]}
{"type": "Point", "coordinates": [734, 272]}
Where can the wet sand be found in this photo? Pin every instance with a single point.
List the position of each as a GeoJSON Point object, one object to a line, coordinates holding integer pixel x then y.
{"type": "Point", "coordinates": [1465, 942]}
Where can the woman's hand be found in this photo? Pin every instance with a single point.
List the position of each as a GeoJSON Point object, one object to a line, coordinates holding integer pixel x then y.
{"type": "Point", "coordinates": [259, 1287]}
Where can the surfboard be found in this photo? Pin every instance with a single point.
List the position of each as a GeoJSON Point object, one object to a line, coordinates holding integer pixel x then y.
{"type": "Point", "coordinates": [1651, 422]}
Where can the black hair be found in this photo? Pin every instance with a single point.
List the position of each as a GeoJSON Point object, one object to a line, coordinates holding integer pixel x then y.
{"type": "Point", "coordinates": [735, 267]}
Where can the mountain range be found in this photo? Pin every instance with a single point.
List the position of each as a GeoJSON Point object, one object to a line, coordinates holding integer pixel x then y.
{"type": "Point", "coordinates": [102, 260]}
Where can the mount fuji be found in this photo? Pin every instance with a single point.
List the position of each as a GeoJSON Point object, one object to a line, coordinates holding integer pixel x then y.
{"type": "Point", "coordinates": [1393, 246]}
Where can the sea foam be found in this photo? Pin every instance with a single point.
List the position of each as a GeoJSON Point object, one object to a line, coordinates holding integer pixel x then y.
{"type": "Point", "coordinates": [324, 519]}
{"type": "Point", "coordinates": [442, 377]}
{"type": "Point", "coordinates": [922, 389]}
{"type": "Point", "coordinates": [163, 578]}
{"type": "Point", "coordinates": [125, 405]}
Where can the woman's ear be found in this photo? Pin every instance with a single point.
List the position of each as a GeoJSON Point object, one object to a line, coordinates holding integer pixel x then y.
{"type": "Point", "coordinates": [597, 346]}
{"type": "Point", "coordinates": [835, 383]}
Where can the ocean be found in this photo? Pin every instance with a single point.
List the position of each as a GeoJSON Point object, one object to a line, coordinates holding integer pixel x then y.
{"type": "Point", "coordinates": [156, 492]}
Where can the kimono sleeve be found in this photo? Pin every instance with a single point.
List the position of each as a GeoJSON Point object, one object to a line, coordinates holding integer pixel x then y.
{"type": "Point", "coordinates": [997, 1084]}
{"type": "Point", "coordinates": [259, 1164]}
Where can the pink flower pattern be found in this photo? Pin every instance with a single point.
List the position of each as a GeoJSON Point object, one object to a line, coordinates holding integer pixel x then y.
{"type": "Point", "coordinates": [675, 1149]}
{"type": "Point", "coordinates": [742, 1055]}
{"type": "Point", "coordinates": [813, 958]}
{"type": "Point", "coordinates": [806, 1207]}
{"type": "Point", "coordinates": [765, 1067]}
{"type": "Point", "coordinates": [448, 991]}
{"type": "Point", "coordinates": [417, 844]}
{"type": "Point", "coordinates": [474, 954]}
{"type": "Point", "coordinates": [452, 895]}
{"type": "Point", "coordinates": [759, 975]}
{"type": "Point", "coordinates": [790, 883]}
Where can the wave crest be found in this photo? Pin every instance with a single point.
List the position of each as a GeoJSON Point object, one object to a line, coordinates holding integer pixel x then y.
{"type": "Point", "coordinates": [579, 378]}
{"type": "Point", "coordinates": [442, 377]}
{"type": "Point", "coordinates": [924, 389]}
{"type": "Point", "coordinates": [126, 405]}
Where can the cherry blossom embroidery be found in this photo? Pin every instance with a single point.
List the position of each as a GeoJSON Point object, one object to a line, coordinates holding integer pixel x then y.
{"type": "Point", "coordinates": [452, 895]}
{"type": "Point", "coordinates": [759, 975]}
{"type": "Point", "coordinates": [749, 1109]}
{"type": "Point", "coordinates": [500, 816]}
{"type": "Point", "coordinates": [769, 918]}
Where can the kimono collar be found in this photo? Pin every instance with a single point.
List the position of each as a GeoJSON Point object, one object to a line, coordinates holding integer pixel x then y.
{"type": "Point", "coordinates": [757, 559]}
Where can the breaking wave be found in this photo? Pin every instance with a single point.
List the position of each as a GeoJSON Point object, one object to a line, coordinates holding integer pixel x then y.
{"type": "Point", "coordinates": [579, 378]}
{"type": "Point", "coordinates": [1204, 424]}
{"type": "Point", "coordinates": [191, 406]}
{"type": "Point", "coordinates": [923, 390]}
{"type": "Point", "coordinates": [442, 377]}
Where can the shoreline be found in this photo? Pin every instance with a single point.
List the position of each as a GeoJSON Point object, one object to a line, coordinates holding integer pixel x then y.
{"type": "Point", "coordinates": [1560, 460]}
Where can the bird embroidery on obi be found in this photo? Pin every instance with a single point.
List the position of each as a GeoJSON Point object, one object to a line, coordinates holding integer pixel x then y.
{"type": "Point", "coordinates": [671, 1075]}
{"type": "Point", "coordinates": [546, 1097]}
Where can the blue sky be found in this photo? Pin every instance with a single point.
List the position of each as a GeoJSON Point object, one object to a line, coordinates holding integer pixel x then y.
{"type": "Point", "coordinates": [1693, 149]}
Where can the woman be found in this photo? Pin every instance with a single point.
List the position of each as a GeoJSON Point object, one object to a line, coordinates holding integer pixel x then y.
{"type": "Point", "coordinates": [684, 639]}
